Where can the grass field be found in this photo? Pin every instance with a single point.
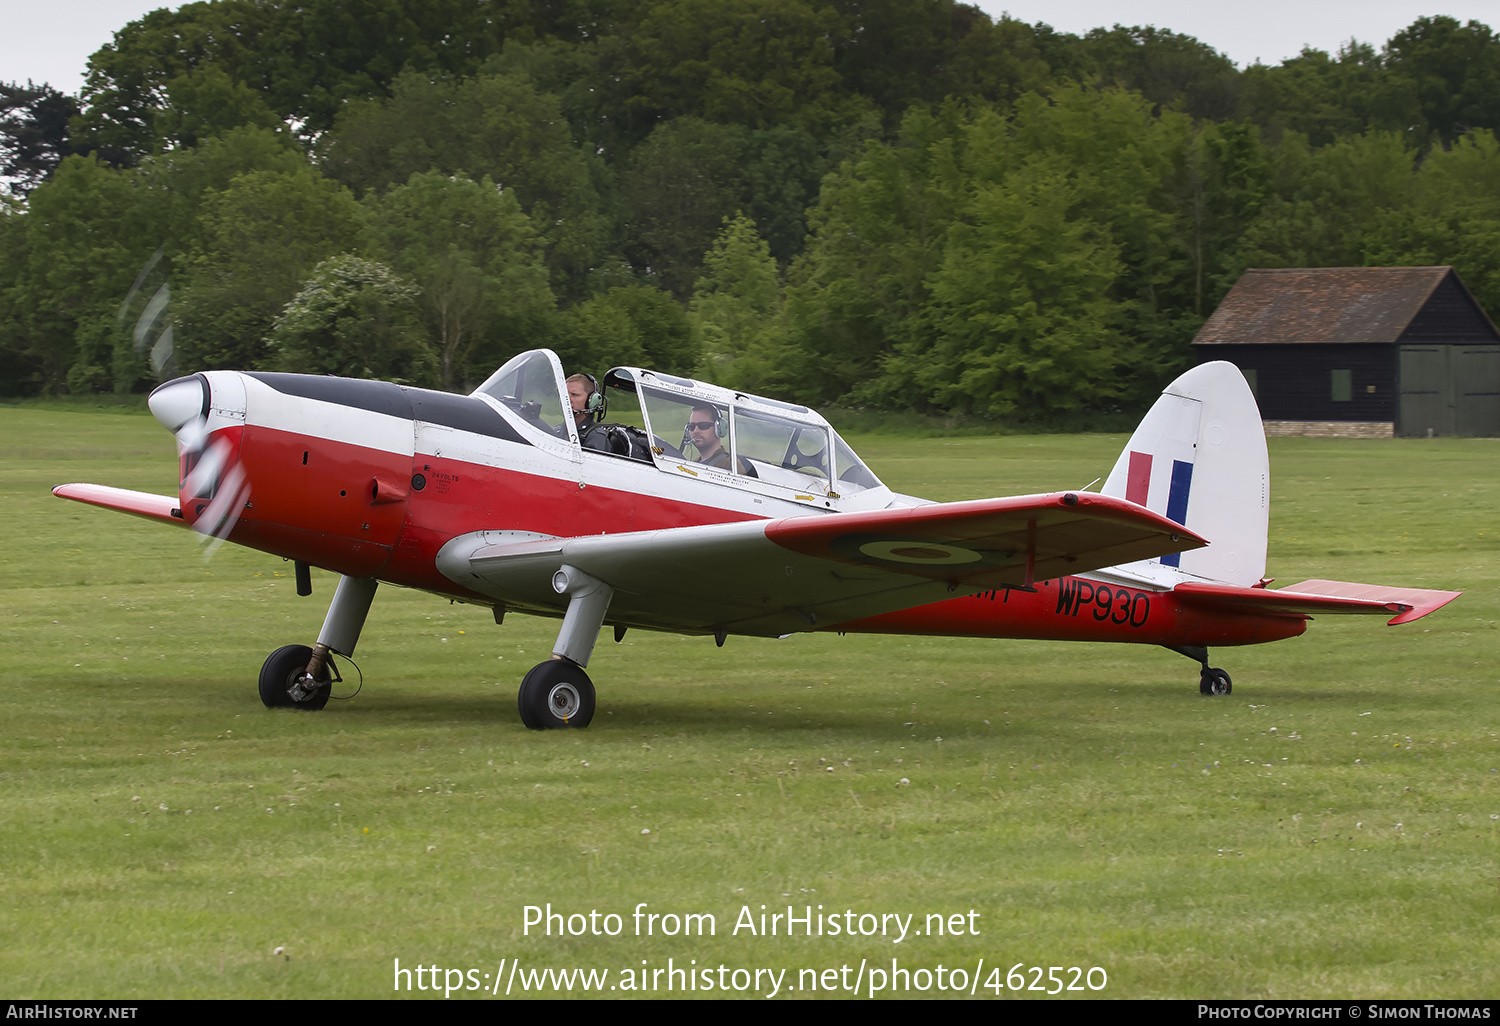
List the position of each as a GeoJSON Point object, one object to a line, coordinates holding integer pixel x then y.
{"type": "Point", "coordinates": [1330, 829]}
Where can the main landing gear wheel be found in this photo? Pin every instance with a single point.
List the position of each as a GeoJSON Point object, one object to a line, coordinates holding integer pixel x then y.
{"type": "Point", "coordinates": [1214, 681]}
{"type": "Point", "coordinates": [281, 670]}
{"type": "Point", "coordinates": [556, 694]}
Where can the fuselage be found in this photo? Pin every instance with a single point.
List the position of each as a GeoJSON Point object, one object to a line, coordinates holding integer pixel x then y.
{"type": "Point", "coordinates": [370, 479]}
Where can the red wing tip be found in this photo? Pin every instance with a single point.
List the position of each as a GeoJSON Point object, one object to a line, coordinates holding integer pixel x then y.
{"type": "Point", "coordinates": [162, 508]}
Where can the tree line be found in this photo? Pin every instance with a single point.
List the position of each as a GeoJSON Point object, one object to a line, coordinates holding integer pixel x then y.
{"type": "Point", "coordinates": [898, 204]}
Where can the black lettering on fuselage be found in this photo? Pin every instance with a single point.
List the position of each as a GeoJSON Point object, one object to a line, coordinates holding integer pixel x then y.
{"type": "Point", "coordinates": [1117, 605]}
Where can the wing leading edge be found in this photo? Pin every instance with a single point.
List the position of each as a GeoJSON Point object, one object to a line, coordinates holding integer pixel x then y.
{"type": "Point", "coordinates": [774, 577]}
{"type": "Point", "coordinates": [160, 508]}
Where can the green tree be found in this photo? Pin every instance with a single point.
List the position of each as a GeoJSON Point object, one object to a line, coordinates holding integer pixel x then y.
{"type": "Point", "coordinates": [302, 60]}
{"type": "Point", "coordinates": [1165, 67]}
{"type": "Point", "coordinates": [876, 234]}
{"type": "Point", "coordinates": [178, 182]}
{"type": "Point", "coordinates": [1125, 157]}
{"type": "Point", "coordinates": [472, 252]}
{"type": "Point", "coordinates": [666, 340]}
{"type": "Point", "coordinates": [33, 133]}
{"type": "Point", "coordinates": [258, 239]}
{"type": "Point", "coordinates": [1221, 187]}
{"type": "Point", "coordinates": [498, 126]}
{"type": "Point", "coordinates": [1320, 97]}
{"type": "Point", "coordinates": [90, 230]}
{"type": "Point", "coordinates": [901, 52]}
{"type": "Point", "coordinates": [1022, 325]}
{"type": "Point", "coordinates": [756, 63]}
{"type": "Point", "coordinates": [21, 358]}
{"type": "Point", "coordinates": [678, 187]}
{"type": "Point", "coordinates": [87, 234]}
{"type": "Point", "coordinates": [1321, 201]}
{"type": "Point", "coordinates": [1452, 217]}
{"type": "Point", "coordinates": [737, 309]}
{"type": "Point", "coordinates": [629, 325]}
{"type": "Point", "coordinates": [354, 318]}
{"type": "Point", "coordinates": [206, 102]}
{"type": "Point", "coordinates": [128, 82]}
{"type": "Point", "coordinates": [780, 171]}
{"type": "Point", "coordinates": [1448, 76]}
{"type": "Point", "coordinates": [867, 290]}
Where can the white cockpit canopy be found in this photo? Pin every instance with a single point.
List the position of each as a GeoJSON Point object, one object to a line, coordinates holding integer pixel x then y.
{"type": "Point", "coordinates": [684, 423]}
{"type": "Point", "coordinates": [745, 435]}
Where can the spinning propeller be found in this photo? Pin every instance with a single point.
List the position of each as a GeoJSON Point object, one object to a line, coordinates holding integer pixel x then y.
{"type": "Point", "coordinates": [213, 480]}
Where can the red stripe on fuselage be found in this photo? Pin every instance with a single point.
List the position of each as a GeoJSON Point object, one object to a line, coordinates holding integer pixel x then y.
{"type": "Point", "coordinates": [321, 511]}
{"type": "Point", "coordinates": [1080, 609]}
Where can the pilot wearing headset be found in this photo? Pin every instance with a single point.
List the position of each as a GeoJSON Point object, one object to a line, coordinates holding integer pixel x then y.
{"type": "Point", "coordinates": [586, 402]}
{"type": "Point", "coordinates": [705, 430]}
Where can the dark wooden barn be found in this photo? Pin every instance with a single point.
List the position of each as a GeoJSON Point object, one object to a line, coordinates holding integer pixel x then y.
{"type": "Point", "coordinates": [1360, 350]}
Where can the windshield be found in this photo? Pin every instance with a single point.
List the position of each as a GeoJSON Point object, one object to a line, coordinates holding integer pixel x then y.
{"type": "Point", "coordinates": [854, 476]}
{"type": "Point", "coordinates": [783, 451]}
{"type": "Point", "coordinates": [531, 384]}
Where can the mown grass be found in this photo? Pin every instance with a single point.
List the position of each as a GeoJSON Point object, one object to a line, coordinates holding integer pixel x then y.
{"type": "Point", "coordinates": [1086, 801]}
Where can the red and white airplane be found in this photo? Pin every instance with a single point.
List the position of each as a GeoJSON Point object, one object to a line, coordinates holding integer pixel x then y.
{"type": "Point", "coordinates": [755, 519]}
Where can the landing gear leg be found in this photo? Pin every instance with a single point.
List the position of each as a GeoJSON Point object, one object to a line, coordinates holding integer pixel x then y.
{"type": "Point", "coordinates": [1212, 680]}
{"type": "Point", "coordinates": [298, 676]}
{"type": "Point", "coordinates": [558, 693]}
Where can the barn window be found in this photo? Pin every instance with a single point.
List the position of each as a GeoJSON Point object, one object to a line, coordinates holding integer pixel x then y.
{"type": "Point", "coordinates": [1343, 386]}
{"type": "Point", "coordinates": [1251, 379]}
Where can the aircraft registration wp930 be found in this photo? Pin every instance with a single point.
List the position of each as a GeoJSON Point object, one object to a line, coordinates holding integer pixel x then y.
{"type": "Point", "coordinates": [700, 510]}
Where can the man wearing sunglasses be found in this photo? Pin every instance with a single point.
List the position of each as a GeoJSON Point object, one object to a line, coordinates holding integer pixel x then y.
{"type": "Point", "coordinates": [705, 430]}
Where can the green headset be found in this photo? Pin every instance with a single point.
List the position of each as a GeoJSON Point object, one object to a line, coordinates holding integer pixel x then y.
{"type": "Point", "coordinates": [594, 406]}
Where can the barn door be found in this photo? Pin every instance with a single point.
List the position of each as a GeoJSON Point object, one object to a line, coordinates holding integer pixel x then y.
{"type": "Point", "coordinates": [1426, 391]}
{"type": "Point", "coordinates": [1476, 389]}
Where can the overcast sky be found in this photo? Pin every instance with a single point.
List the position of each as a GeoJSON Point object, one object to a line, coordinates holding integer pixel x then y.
{"type": "Point", "coordinates": [51, 42]}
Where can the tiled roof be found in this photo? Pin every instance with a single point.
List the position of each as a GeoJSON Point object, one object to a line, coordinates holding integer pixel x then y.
{"type": "Point", "coordinates": [1321, 304]}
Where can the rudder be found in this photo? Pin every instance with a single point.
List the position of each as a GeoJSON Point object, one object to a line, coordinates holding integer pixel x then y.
{"type": "Point", "coordinates": [1199, 458]}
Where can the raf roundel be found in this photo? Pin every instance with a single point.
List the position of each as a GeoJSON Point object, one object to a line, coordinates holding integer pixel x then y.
{"type": "Point", "coordinates": [915, 553]}
{"type": "Point", "coordinates": [915, 550]}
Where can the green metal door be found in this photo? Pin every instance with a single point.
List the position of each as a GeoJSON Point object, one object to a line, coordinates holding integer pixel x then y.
{"type": "Point", "coordinates": [1426, 391]}
{"type": "Point", "coordinates": [1476, 388]}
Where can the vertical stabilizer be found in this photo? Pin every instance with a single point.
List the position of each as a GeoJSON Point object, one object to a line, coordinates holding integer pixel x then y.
{"type": "Point", "coordinates": [1199, 458]}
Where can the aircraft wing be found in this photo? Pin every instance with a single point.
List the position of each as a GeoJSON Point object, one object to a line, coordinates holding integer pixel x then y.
{"type": "Point", "coordinates": [161, 508]}
{"type": "Point", "coordinates": [1313, 597]}
{"type": "Point", "coordinates": [776, 577]}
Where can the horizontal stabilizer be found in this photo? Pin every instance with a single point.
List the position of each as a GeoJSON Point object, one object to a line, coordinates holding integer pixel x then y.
{"type": "Point", "coordinates": [1313, 597]}
{"type": "Point", "coordinates": [161, 508]}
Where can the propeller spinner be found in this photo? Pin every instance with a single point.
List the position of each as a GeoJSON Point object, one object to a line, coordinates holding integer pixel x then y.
{"type": "Point", "coordinates": [214, 487]}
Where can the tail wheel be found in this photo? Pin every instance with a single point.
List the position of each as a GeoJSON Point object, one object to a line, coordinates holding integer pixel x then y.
{"type": "Point", "coordinates": [281, 670]}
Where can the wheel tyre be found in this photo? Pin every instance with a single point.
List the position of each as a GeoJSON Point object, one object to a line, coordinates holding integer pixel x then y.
{"type": "Point", "coordinates": [1215, 681]}
{"type": "Point", "coordinates": [555, 695]}
{"type": "Point", "coordinates": [278, 673]}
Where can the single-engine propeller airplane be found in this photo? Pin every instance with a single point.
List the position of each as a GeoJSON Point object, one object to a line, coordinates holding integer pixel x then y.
{"type": "Point", "coordinates": [755, 519]}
